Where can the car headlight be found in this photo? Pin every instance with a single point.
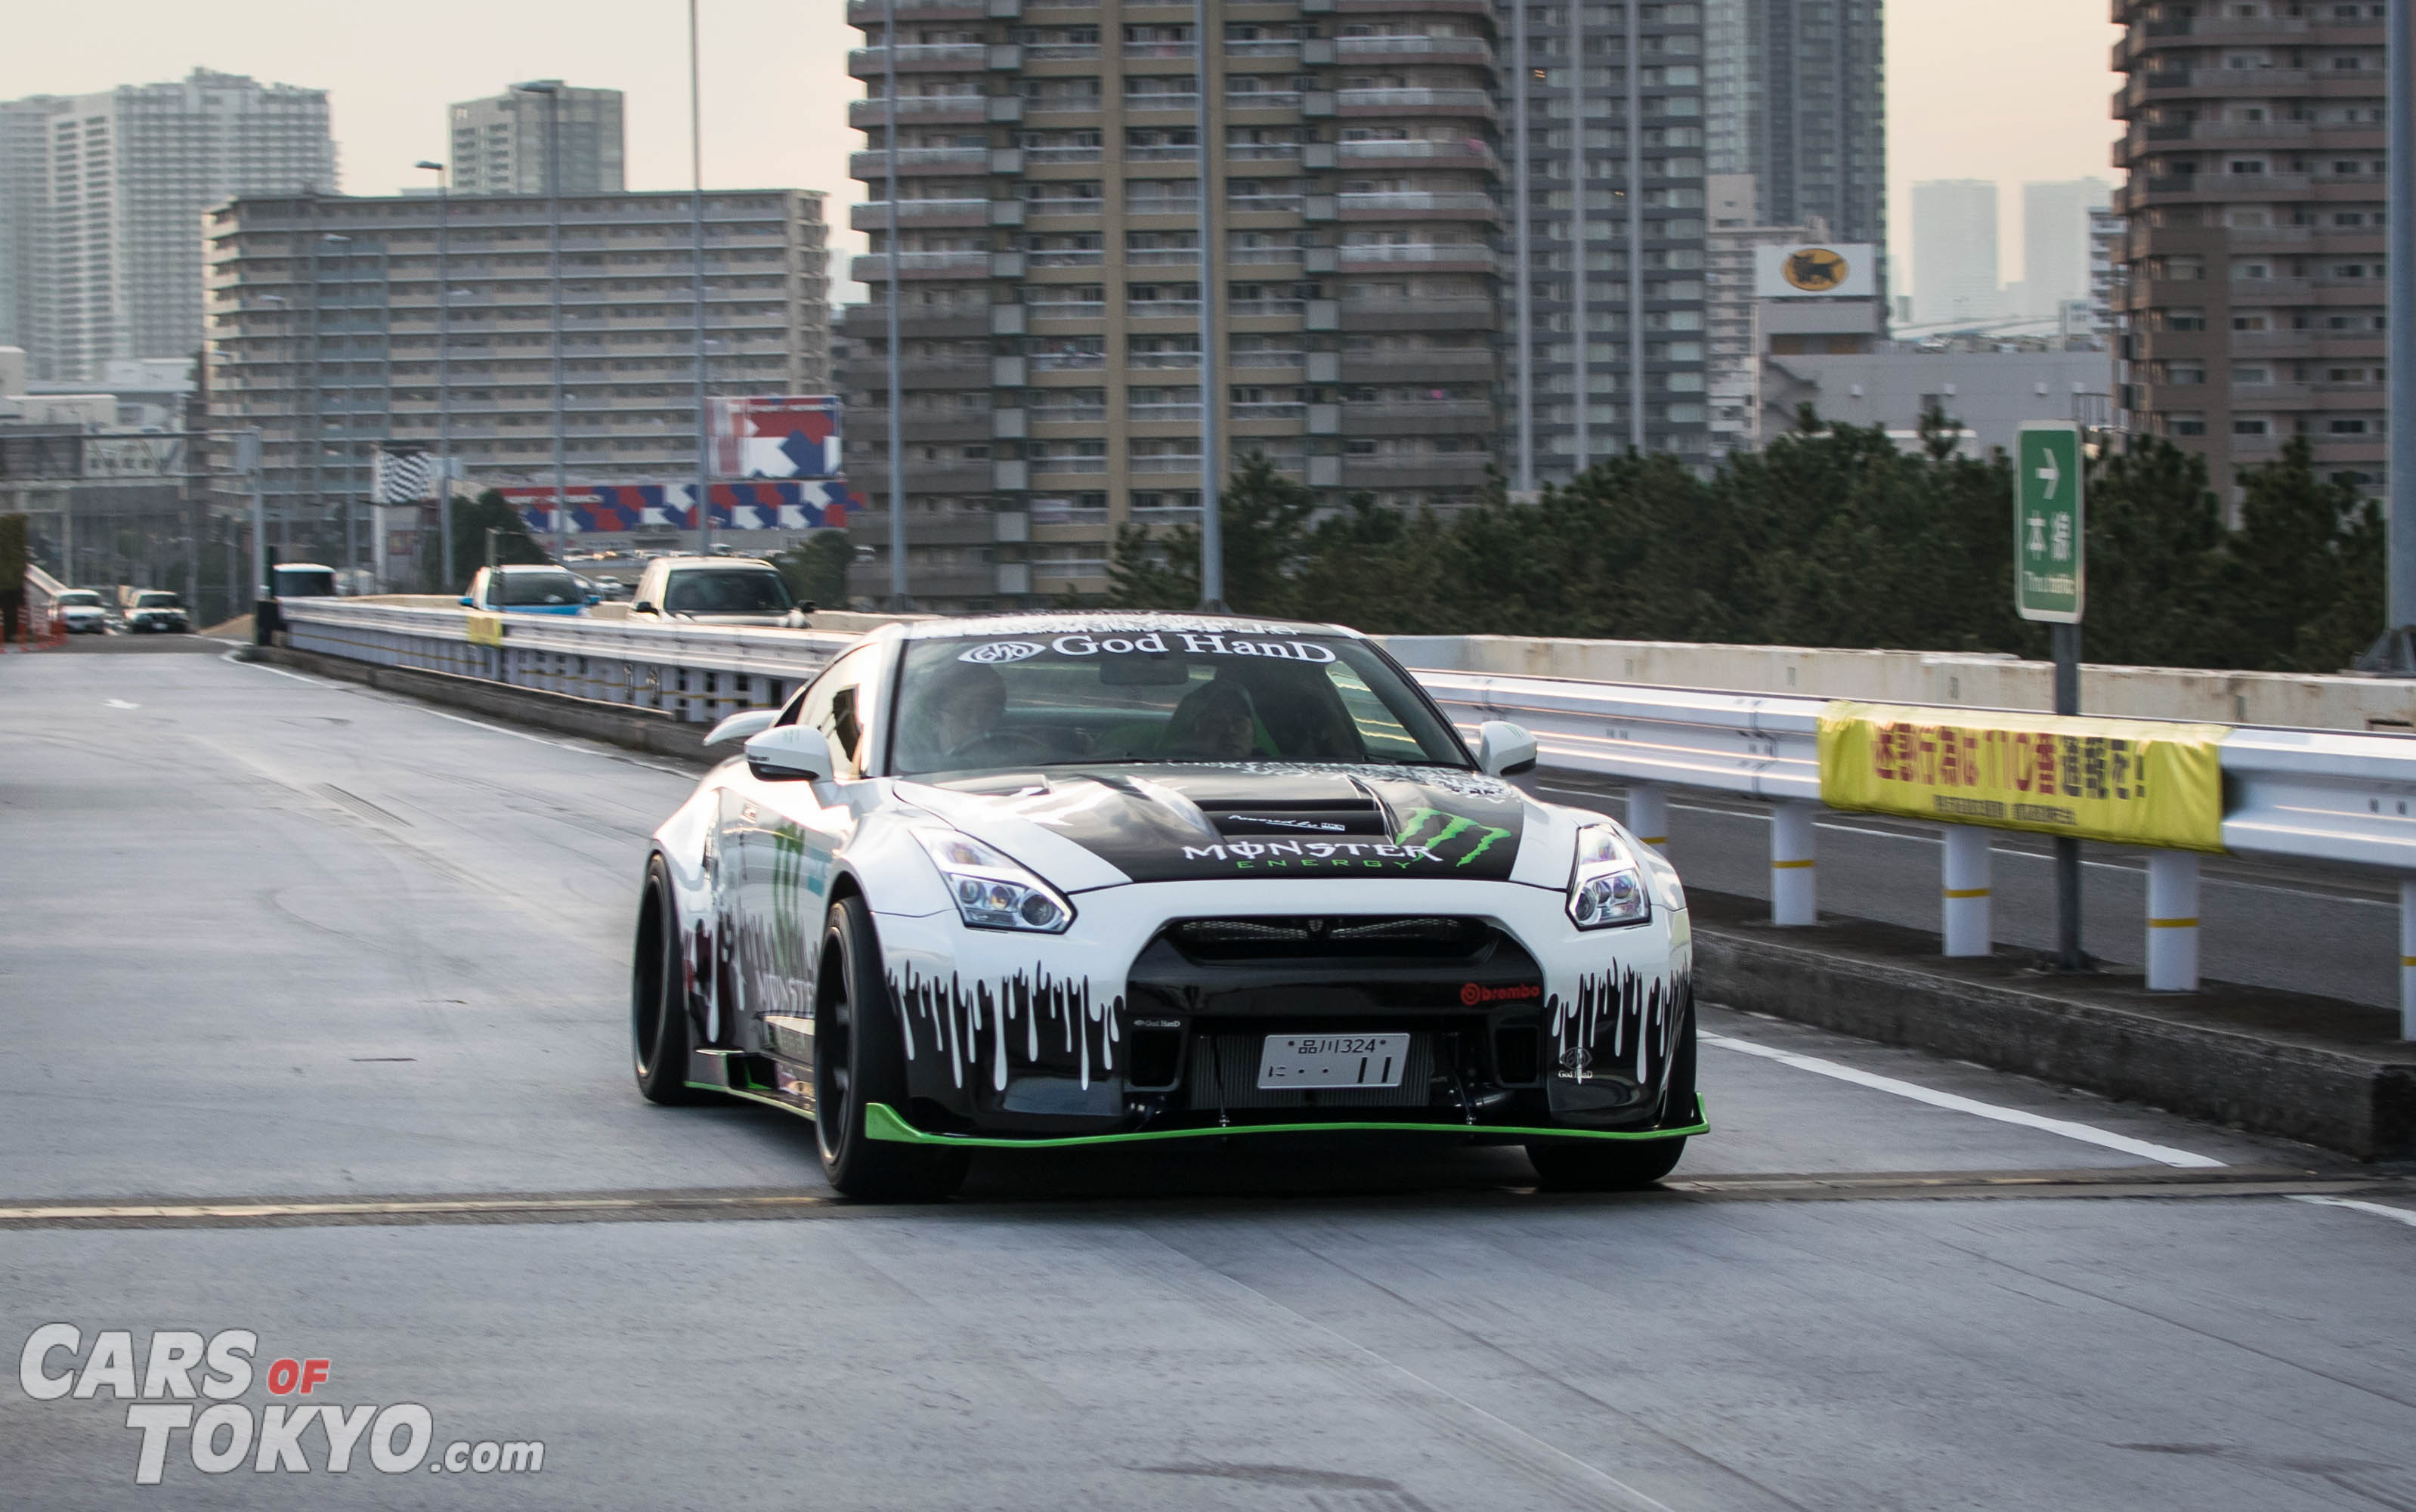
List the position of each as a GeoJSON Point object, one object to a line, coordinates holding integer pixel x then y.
{"type": "Point", "coordinates": [990, 891]}
{"type": "Point", "coordinates": [1606, 886]}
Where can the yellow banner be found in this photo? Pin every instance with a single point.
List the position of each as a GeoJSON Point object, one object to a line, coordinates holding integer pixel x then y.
{"type": "Point", "coordinates": [486, 629]}
{"type": "Point", "coordinates": [2126, 780]}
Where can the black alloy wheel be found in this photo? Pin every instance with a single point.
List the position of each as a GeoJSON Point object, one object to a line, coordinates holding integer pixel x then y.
{"type": "Point", "coordinates": [860, 1059]}
{"type": "Point", "coordinates": [658, 1023]}
{"type": "Point", "coordinates": [1624, 1165]}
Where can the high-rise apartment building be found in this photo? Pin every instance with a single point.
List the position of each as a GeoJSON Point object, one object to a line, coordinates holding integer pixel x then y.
{"type": "Point", "coordinates": [1795, 96]}
{"type": "Point", "coordinates": [101, 196]}
{"type": "Point", "coordinates": [2254, 265]}
{"type": "Point", "coordinates": [2054, 243]}
{"type": "Point", "coordinates": [1356, 244]}
{"type": "Point", "coordinates": [1955, 251]}
{"type": "Point", "coordinates": [499, 143]}
{"type": "Point", "coordinates": [325, 323]}
{"type": "Point", "coordinates": [1614, 151]}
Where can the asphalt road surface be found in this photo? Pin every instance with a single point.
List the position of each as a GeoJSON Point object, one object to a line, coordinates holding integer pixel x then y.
{"type": "Point", "coordinates": [315, 1002]}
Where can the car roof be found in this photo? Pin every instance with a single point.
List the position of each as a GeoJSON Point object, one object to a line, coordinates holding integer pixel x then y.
{"type": "Point", "coordinates": [712, 562]}
{"type": "Point", "coordinates": [1076, 622]}
{"type": "Point", "coordinates": [302, 567]}
{"type": "Point", "coordinates": [530, 566]}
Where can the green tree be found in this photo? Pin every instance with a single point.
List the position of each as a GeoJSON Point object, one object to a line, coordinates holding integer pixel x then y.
{"type": "Point", "coordinates": [1153, 571]}
{"type": "Point", "coordinates": [16, 555]}
{"type": "Point", "coordinates": [2303, 583]}
{"type": "Point", "coordinates": [471, 522]}
{"type": "Point", "coordinates": [815, 568]}
{"type": "Point", "coordinates": [1264, 516]}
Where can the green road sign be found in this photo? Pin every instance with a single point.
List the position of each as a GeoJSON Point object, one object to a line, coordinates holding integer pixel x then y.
{"type": "Point", "coordinates": [2048, 522]}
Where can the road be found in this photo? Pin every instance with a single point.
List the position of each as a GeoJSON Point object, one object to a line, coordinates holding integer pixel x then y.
{"type": "Point", "coordinates": [316, 1003]}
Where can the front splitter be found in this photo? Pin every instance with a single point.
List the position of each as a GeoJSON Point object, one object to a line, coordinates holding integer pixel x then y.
{"type": "Point", "coordinates": [883, 1122]}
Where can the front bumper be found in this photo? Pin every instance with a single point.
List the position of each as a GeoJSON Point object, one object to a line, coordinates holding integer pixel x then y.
{"type": "Point", "coordinates": [1521, 1027]}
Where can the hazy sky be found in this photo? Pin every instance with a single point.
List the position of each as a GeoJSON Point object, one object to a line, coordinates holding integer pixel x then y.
{"type": "Point", "coordinates": [1976, 88]}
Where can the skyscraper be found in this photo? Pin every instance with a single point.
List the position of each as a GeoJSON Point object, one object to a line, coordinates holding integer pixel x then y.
{"type": "Point", "coordinates": [1615, 224]}
{"type": "Point", "coordinates": [1053, 245]}
{"type": "Point", "coordinates": [1955, 250]}
{"type": "Point", "coordinates": [499, 143]}
{"type": "Point", "coordinates": [1794, 95]}
{"type": "Point", "coordinates": [2254, 264]}
{"type": "Point", "coordinates": [102, 198]}
{"type": "Point", "coordinates": [2054, 243]}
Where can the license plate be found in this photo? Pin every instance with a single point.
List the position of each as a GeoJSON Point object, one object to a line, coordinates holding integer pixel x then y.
{"type": "Point", "coordinates": [1306, 1061]}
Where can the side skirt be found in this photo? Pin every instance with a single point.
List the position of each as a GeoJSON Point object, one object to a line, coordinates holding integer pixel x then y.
{"type": "Point", "coordinates": [883, 1122]}
{"type": "Point", "coordinates": [766, 1079]}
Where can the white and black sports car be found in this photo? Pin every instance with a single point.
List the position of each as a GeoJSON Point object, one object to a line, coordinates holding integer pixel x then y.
{"type": "Point", "coordinates": [1068, 879]}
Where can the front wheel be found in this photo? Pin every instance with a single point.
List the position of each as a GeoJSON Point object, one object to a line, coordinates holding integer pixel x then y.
{"type": "Point", "coordinates": [860, 1059]}
{"type": "Point", "coordinates": [1624, 1165]}
{"type": "Point", "coordinates": [658, 1023]}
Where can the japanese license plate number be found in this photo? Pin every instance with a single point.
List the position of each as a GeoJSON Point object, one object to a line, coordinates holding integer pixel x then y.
{"type": "Point", "coordinates": [1309, 1061]}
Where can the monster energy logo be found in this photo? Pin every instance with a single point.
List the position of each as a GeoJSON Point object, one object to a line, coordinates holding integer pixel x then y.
{"type": "Point", "coordinates": [1439, 833]}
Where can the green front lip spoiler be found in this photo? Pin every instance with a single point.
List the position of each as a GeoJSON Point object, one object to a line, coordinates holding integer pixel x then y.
{"type": "Point", "coordinates": [883, 1122]}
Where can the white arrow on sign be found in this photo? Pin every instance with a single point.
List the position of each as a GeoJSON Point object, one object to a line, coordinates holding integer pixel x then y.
{"type": "Point", "coordinates": [2050, 475]}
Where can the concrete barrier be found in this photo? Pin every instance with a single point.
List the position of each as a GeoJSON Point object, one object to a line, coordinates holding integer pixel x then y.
{"type": "Point", "coordinates": [2307, 701]}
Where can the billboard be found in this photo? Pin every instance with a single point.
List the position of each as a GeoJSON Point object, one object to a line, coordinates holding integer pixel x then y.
{"type": "Point", "coordinates": [776, 435]}
{"type": "Point", "coordinates": [1816, 270]}
{"type": "Point", "coordinates": [614, 509]}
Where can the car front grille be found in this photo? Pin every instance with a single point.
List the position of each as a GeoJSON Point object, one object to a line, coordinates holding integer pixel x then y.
{"type": "Point", "coordinates": [1285, 937]}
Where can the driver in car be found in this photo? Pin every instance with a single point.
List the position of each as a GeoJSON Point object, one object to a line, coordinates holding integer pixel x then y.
{"type": "Point", "coordinates": [956, 717]}
{"type": "Point", "coordinates": [1213, 723]}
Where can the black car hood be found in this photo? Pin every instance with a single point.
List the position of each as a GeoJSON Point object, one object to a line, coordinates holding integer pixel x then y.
{"type": "Point", "coordinates": [1181, 824]}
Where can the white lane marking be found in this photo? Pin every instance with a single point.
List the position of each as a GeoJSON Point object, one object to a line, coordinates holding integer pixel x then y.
{"type": "Point", "coordinates": [2085, 1133]}
{"type": "Point", "coordinates": [2396, 1215]}
{"type": "Point", "coordinates": [120, 704]}
{"type": "Point", "coordinates": [232, 659]}
{"type": "Point", "coordinates": [2008, 850]}
{"type": "Point", "coordinates": [562, 745]}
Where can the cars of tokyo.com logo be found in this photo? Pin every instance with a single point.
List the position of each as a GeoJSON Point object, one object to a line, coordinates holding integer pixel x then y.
{"type": "Point", "coordinates": [184, 1382]}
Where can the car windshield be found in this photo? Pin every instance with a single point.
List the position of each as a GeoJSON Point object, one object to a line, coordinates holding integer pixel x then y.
{"type": "Point", "coordinates": [1158, 695]}
{"type": "Point", "coordinates": [726, 591]}
{"type": "Point", "coordinates": [80, 598]}
{"type": "Point", "coordinates": [157, 601]}
{"type": "Point", "coordinates": [535, 589]}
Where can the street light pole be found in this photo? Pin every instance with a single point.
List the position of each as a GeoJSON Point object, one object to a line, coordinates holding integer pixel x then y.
{"type": "Point", "coordinates": [901, 602]}
{"type": "Point", "coordinates": [2399, 57]}
{"type": "Point", "coordinates": [352, 546]}
{"type": "Point", "coordinates": [1212, 504]}
{"type": "Point", "coordinates": [696, 227]}
{"type": "Point", "coordinates": [444, 373]}
{"type": "Point", "coordinates": [1522, 233]}
{"type": "Point", "coordinates": [552, 90]}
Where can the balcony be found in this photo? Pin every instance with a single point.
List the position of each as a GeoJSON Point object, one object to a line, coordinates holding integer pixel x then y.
{"type": "Point", "coordinates": [1262, 100]}
{"type": "Point", "coordinates": [1140, 413]}
{"type": "Point", "coordinates": [877, 11]}
{"type": "Point", "coordinates": [1162, 204]}
{"type": "Point", "coordinates": [873, 215]}
{"type": "Point", "coordinates": [1069, 361]}
{"type": "Point", "coordinates": [1456, 256]}
{"type": "Point", "coordinates": [1060, 51]}
{"type": "Point", "coordinates": [1162, 155]}
{"type": "Point", "coordinates": [1161, 309]}
{"type": "Point", "coordinates": [1418, 417]}
{"type": "Point", "coordinates": [918, 109]}
{"type": "Point", "coordinates": [1261, 151]}
{"type": "Point", "coordinates": [1264, 203]}
{"type": "Point", "coordinates": [1474, 50]}
{"type": "Point", "coordinates": [1068, 465]}
{"type": "Point", "coordinates": [1066, 309]}
{"type": "Point", "coordinates": [1078, 257]}
{"type": "Point", "coordinates": [1187, 104]}
{"type": "Point", "coordinates": [1271, 47]}
{"type": "Point", "coordinates": [1241, 308]}
{"type": "Point", "coordinates": [1062, 205]}
{"type": "Point", "coordinates": [1392, 101]}
{"type": "Point", "coordinates": [1269, 410]}
{"type": "Point", "coordinates": [1066, 513]}
{"type": "Point", "coordinates": [1467, 151]}
{"type": "Point", "coordinates": [875, 267]}
{"type": "Point", "coordinates": [1161, 49]}
{"type": "Point", "coordinates": [1164, 256]}
{"type": "Point", "coordinates": [1450, 203]}
{"type": "Point", "coordinates": [1165, 515]}
{"type": "Point", "coordinates": [920, 57]}
{"type": "Point", "coordinates": [1264, 254]}
{"type": "Point", "coordinates": [1262, 359]}
{"type": "Point", "coordinates": [1041, 157]}
{"type": "Point", "coordinates": [1416, 314]}
{"type": "Point", "coordinates": [1177, 465]}
{"type": "Point", "coordinates": [1069, 413]}
{"type": "Point", "coordinates": [1162, 360]}
{"type": "Point", "coordinates": [1458, 469]}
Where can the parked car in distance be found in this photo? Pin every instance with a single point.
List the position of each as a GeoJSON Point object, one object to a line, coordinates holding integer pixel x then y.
{"type": "Point", "coordinates": [82, 612]}
{"type": "Point", "coordinates": [716, 590]}
{"type": "Point", "coordinates": [540, 588]}
{"type": "Point", "coordinates": [302, 579]}
{"type": "Point", "coordinates": [156, 611]}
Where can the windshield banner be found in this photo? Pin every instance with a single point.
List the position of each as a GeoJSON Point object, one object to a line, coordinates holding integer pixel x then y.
{"type": "Point", "coordinates": [2125, 781]}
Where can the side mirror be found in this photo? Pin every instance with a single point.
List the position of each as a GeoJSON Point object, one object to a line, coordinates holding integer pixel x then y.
{"type": "Point", "coordinates": [792, 752]}
{"type": "Point", "coordinates": [743, 725]}
{"type": "Point", "coordinates": [641, 607]}
{"type": "Point", "coordinates": [1504, 749]}
{"type": "Point", "coordinates": [594, 598]}
{"type": "Point", "coordinates": [468, 602]}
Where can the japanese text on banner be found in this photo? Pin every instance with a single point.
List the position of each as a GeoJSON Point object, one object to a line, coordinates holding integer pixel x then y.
{"type": "Point", "coordinates": [2126, 780]}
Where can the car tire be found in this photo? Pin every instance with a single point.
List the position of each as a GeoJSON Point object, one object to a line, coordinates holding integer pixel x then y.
{"type": "Point", "coordinates": [1624, 1165]}
{"type": "Point", "coordinates": [659, 1021]}
{"type": "Point", "coordinates": [859, 1059]}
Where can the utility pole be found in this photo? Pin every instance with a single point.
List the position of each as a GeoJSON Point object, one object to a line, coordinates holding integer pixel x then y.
{"type": "Point", "coordinates": [2399, 57]}
{"type": "Point", "coordinates": [1635, 197]}
{"type": "Point", "coordinates": [1521, 233]}
{"type": "Point", "coordinates": [901, 602]}
{"type": "Point", "coordinates": [696, 226]}
{"type": "Point", "coordinates": [552, 90]}
{"type": "Point", "coordinates": [444, 373]}
{"type": "Point", "coordinates": [1211, 512]}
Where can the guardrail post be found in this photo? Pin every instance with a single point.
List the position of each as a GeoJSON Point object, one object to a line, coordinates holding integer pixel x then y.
{"type": "Point", "coordinates": [1965, 922]}
{"type": "Point", "coordinates": [2408, 958]}
{"type": "Point", "coordinates": [1794, 883]}
{"type": "Point", "coordinates": [1648, 813]}
{"type": "Point", "coordinates": [2172, 921]}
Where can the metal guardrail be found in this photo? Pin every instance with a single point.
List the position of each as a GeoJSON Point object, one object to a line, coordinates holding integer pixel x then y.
{"type": "Point", "coordinates": [2302, 795]}
{"type": "Point", "coordinates": [696, 673]}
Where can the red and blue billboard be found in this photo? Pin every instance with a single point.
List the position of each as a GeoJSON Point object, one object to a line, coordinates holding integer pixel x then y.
{"type": "Point", "coordinates": [618, 509]}
{"type": "Point", "coordinates": [776, 435]}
